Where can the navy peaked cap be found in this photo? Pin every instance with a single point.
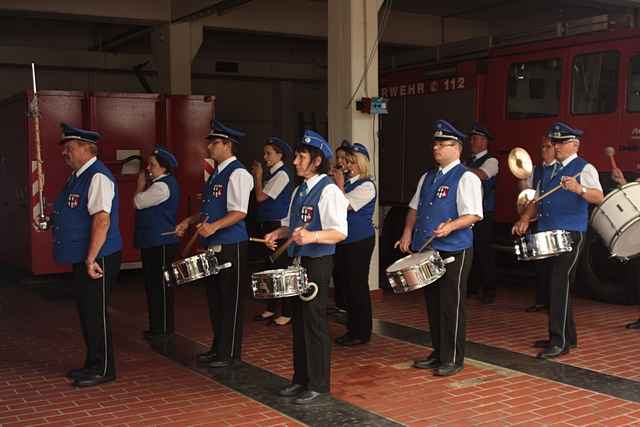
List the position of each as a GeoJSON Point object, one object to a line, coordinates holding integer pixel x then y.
{"type": "Point", "coordinates": [478, 129]}
{"type": "Point", "coordinates": [359, 148]}
{"type": "Point", "coordinates": [69, 133]}
{"type": "Point", "coordinates": [218, 130]}
{"type": "Point", "coordinates": [316, 140]}
{"type": "Point", "coordinates": [443, 130]}
{"type": "Point", "coordinates": [561, 131]}
{"type": "Point", "coordinates": [282, 145]}
{"type": "Point", "coordinates": [162, 152]}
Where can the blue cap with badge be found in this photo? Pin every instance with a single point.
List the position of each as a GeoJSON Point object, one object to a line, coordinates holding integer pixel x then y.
{"type": "Point", "coordinates": [563, 132]}
{"type": "Point", "coordinates": [69, 133]}
{"type": "Point", "coordinates": [218, 130]}
{"type": "Point", "coordinates": [478, 129]}
{"type": "Point", "coordinates": [359, 148]}
{"type": "Point", "coordinates": [316, 140]}
{"type": "Point", "coordinates": [165, 154]}
{"type": "Point", "coordinates": [282, 145]}
{"type": "Point", "coordinates": [443, 130]}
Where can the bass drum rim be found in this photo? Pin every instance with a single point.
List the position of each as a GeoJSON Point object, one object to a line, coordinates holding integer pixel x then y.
{"type": "Point", "coordinates": [598, 286]}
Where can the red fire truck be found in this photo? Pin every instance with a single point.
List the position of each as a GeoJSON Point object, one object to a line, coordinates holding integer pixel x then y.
{"type": "Point", "coordinates": [589, 80]}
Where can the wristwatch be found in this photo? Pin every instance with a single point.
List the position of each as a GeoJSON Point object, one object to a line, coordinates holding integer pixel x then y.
{"type": "Point", "coordinates": [583, 190]}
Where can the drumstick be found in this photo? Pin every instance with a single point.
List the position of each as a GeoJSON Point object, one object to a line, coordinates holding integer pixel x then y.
{"type": "Point", "coordinates": [283, 248]}
{"type": "Point", "coordinates": [257, 240]}
{"type": "Point", "coordinates": [430, 239]}
{"type": "Point", "coordinates": [611, 153]}
{"type": "Point", "coordinates": [168, 233]}
{"type": "Point", "coordinates": [553, 190]}
{"type": "Point", "coordinates": [187, 249]}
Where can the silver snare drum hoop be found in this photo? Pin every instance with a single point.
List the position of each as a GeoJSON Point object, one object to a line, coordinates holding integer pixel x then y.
{"type": "Point", "coordinates": [415, 271]}
{"type": "Point", "coordinates": [543, 245]}
{"type": "Point", "coordinates": [280, 283]}
{"type": "Point", "coordinates": [617, 221]}
{"type": "Point", "coordinates": [193, 268]}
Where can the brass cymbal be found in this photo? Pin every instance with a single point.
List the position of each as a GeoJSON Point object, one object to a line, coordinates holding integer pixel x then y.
{"type": "Point", "coordinates": [524, 198]}
{"type": "Point", "coordinates": [520, 163]}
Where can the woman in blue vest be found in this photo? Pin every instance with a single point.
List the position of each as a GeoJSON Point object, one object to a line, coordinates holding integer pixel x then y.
{"type": "Point", "coordinates": [317, 220]}
{"type": "Point", "coordinates": [446, 204]}
{"type": "Point", "coordinates": [86, 235]}
{"type": "Point", "coordinates": [225, 200]}
{"type": "Point", "coordinates": [568, 210]}
{"type": "Point", "coordinates": [156, 205]}
{"type": "Point", "coordinates": [273, 205]}
{"type": "Point", "coordinates": [353, 255]}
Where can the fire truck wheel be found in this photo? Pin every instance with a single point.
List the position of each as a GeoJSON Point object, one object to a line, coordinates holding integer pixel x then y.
{"type": "Point", "coordinates": [604, 278]}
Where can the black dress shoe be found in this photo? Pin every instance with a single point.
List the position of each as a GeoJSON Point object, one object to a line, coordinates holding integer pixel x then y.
{"type": "Point", "coordinates": [308, 397]}
{"type": "Point", "coordinates": [447, 369]}
{"type": "Point", "coordinates": [292, 390]}
{"type": "Point", "coordinates": [535, 308]}
{"type": "Point", "coordinates": [348, 341]}
{"type": "Point", "coordinates": [90, 379]}
{"type": "Point", "coordinates": [633, 325]}
{"type": "Point", "coordinates": [207, 357]}
{"type": "Point", "coordinates": [430, 362]}
{"type": "Point", "coordinates": [342, 338]}
{"type": "Point", "coordinates": [73, 374]}
{"type": "Point", "coordinates": [553, 351]}
{"type": "Point", "coordinates": [547, 343]}
{"type": "Point", "coordinates": [220, 363]}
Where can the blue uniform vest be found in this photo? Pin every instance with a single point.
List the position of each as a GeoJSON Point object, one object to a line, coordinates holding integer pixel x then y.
{"type": "Point", "coordinates": [278, 208]}
{"type": "Point", "coordinates": [72, 222]}
{"type": "Point", "coordinates": [305, 210]}
{"type": "Point", "coordinates": [151, 222]}
{"type": "Point", "coordinates": [214, 205]}
{"type": "Point", "coordinates": [437, 205]}
{"type": "Point", "coordinates": [562, 210]}
{"type": "Point", "coordinates": [488, 185]}
{"type": "Point", "coordinates": [360, 222]}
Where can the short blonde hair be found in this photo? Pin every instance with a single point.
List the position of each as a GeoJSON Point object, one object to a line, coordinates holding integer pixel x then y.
{"type": "Point", "coordinates": [362, 162]}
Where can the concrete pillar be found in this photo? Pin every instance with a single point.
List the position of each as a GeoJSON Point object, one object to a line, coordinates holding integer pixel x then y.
{"type": "Point", "coordinates": [352, 34]}
{"type": "Point", "coordinates": [174, 47]}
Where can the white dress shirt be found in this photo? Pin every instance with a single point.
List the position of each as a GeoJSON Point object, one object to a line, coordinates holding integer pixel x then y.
{"type": "Point", "coordinates": [469, 194]}
{"type": "Point", "coordinates": [277, 183]}
{"type": "Point", "coordinates": [101, 190]}
{"type": "Point", "coordinates": [489, 166]}
{"type": "Point", "coordinates": [361, 195]}
{"type": "Point", "coordinates": [239, 188]}
{"type": "Point", "coordinates": [158, 192]}
{"type": "Point", "coordinates": [332, 205]}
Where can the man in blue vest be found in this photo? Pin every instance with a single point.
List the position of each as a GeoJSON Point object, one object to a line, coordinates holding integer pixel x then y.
{"type": "Point", "coordinates": [317, 220]}
{"type": "Point", "coordinates": [225, 199]}
{"type": "Point", "coordinates": [566, 209]}
{"type": "Point", "coordinates": [485, 166]}
{"type": "Point", "coordinates": [86, 235]}
{"type": "Point", "coordinates": [446, 204]}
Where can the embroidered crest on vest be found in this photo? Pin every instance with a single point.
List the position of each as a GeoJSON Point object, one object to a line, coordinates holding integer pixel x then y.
{"type": "Point", "coordinates": [442, 192]}
{"type": "Point", "coordinates": [217, 190]}
{"type": "Point", "coordinates": [306, 214]}
{"type": "Point", "coordinates": [73, 200]}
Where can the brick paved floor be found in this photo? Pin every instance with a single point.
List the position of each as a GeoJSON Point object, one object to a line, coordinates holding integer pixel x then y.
{"type": "Point", "coordinates": [40, 340]}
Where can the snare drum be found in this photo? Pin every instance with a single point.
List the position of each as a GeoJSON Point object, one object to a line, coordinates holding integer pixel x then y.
{"type": "Point", "coordinates": [282, 283]}
{"type": "Point", "coordinates": [617, 220]}
{"type": "Point", "coordinates": [415, 271]}
{"type": "Point", "coordinates": [544, 244]}
{"type": "Point", "coordinates": [193, 268]}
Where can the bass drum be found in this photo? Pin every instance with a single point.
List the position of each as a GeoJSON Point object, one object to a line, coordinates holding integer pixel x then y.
{"type": "Point", "coordinates": [604, 278]}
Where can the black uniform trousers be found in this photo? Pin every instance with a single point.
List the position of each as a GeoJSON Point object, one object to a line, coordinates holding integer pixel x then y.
{"type": "Point", "coordinates": [282, 262]}
{"type": "Point", "coordinates": [351, 273]}
{"type": "Point", "coordinates": [445, 308]}
{"type": "Point", "coordinates": [93, 298]}
{"type": "Point", "coordinates": [484, 260]}
{"type": "Point", "coordinates": [160, 298]}
{"type": "Point", "coordinates": [542, 284]}
{"type": "Point", "coordinates": [311, 340]}
{"type": "Point", "coordinates": [226, 292]}
{"type": "Point", "coordinates": [561, 272]}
